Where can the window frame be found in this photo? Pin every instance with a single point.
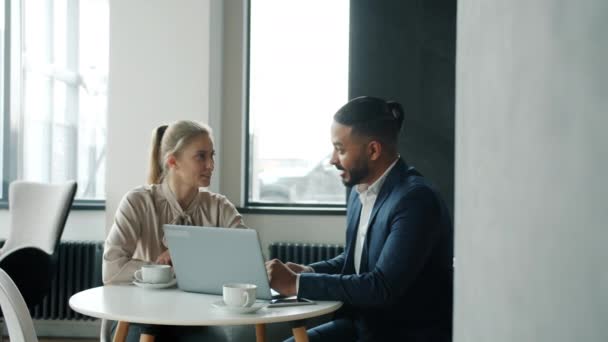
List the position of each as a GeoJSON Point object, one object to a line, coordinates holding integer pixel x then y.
{"type": "Point", "coordinates": [12, 146]}
{"type": "Point", "coordinates": [281, 208]}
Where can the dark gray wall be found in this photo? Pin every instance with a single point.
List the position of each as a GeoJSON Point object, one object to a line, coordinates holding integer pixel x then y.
{"type": "Point", "coordinates": [405, 51]}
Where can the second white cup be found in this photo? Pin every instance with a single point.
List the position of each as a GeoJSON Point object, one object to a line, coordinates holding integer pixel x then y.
{"type": "Point", "coordinates": [239, 295]}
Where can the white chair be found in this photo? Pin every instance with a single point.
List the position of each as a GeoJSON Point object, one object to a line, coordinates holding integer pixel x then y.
{"type": "Point", "coordinates": [105, 333]}
{"type": "Point", "coordinates": [38, 213]}
{"type": "Point", "coordinates": [16, 314]}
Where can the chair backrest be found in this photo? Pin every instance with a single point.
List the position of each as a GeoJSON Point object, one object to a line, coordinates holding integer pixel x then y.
{"type": "Point", "coordinates": [38, 213]}
{"type": "Point", "coordinates": [16, 315]}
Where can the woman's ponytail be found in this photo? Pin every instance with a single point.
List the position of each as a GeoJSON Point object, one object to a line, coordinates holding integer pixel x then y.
{"type": "Point", "coordinates": [155, 172]}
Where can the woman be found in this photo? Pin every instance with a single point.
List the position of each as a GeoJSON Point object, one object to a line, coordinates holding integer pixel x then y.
{"type": "Point", "coordinates": [181, 163]}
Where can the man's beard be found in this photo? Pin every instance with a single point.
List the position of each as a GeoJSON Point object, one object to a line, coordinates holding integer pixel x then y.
{"type": "Point", "coordinates": [357, 173]}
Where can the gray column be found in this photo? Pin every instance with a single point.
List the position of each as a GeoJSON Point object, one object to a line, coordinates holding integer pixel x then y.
{"type": "Point", "coordinates": [531, 207]}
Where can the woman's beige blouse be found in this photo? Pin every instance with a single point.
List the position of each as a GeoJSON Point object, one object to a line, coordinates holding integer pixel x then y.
{"type": "Point", "coordinates": [136, 237]}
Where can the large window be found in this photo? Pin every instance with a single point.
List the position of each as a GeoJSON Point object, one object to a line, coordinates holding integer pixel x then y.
{"type": "Point", "coordinates": [298, 78]}
{"type": "Point", "coordinates": [55, 124]}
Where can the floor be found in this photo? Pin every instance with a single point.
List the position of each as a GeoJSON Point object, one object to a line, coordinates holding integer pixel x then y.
{"type": "Point", "coordinates": [274, 333]}
{"type": "Point", "coordinates": [66, 340]}
{"type": "Point", "coordinates": [61, 340]}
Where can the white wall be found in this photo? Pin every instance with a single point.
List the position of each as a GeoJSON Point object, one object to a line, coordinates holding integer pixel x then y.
{"type": "Point", "coordinates": [298, 228]}
{"type": "Point", "coordinates": [233, 98]}
{"type": "Point", "coordinates": [531, 150]}
{"type": "Point", "coordinates": [81, 225]}
{"type": "Point", "coordinates": [160, 71]}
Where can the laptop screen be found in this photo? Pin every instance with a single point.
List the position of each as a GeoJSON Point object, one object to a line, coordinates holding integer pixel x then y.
{"type": "Point", "coordinates": [206, 258]}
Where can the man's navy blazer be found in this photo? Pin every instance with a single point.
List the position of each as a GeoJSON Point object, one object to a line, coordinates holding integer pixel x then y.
{"type": "Point", "coordinates": [404, 288]}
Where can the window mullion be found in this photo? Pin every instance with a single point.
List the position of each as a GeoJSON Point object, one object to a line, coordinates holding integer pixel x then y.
{"type": "Point", "coordinates": [50, 30]}
{"type": "Point", "coordinates": [13, 162]}
{"type": "Point", "coordinates": [72, 99]}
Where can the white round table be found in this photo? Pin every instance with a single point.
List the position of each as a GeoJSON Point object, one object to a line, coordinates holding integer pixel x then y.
{"type": "Point", "coordinates": [128, 303]}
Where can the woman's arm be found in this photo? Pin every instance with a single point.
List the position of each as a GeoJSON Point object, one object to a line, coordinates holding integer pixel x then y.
{"type": "Point", "coordinates": [229, 216]}
{"type": "Point", "coordinates": [118, 264]}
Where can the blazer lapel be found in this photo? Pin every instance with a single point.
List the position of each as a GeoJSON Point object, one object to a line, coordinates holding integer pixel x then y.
{"type": "Point", "coordinates": [393, 177]}
{"type": "Point", "coordinates": [352, 220]}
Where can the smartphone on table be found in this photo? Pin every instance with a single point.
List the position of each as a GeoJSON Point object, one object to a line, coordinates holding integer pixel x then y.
{"type": "Point", "coordinates": [289, 301]}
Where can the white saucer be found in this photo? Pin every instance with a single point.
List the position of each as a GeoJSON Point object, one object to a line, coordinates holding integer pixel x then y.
{"type": "Point", "coordinates": [237, 309]}
{"type": "Point", "coordinates": [155, 286]}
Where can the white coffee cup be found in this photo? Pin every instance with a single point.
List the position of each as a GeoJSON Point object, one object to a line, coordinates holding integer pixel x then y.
{"type": "Point", "coordinates": [154, 274]}
{"type": "Point", "coordinates": [239, 295]}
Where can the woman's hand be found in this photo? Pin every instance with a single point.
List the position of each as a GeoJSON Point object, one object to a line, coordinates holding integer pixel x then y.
{"type": "Point", "coordinates": [164, 258]}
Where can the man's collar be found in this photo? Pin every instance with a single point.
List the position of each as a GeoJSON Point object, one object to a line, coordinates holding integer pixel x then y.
{"type": "Point", "coordinates": [374, 188]}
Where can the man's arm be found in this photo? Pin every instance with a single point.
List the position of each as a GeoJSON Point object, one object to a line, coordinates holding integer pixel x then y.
{"type": "Point", "coordinates": [331, 266]}
{"type": "Point", "coordinates": [413, 231]}
{"type": "Point", "coordinates": [284, 278]}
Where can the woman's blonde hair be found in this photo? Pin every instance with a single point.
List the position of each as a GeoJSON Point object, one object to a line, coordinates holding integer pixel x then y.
{"type": "Point", "coordinates": [170, 140]}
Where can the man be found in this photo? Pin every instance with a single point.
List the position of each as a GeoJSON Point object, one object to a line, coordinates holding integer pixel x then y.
{"type": "Point", "coordinates": [395, 275]}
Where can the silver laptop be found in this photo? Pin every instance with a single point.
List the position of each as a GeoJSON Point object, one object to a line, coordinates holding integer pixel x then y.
{"type": "Point", "coordinates": [206, 258]}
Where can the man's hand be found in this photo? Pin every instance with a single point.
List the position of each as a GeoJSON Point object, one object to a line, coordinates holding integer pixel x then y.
{"type": "Point", "coordinates": [281, 278]}
{"type": "Point", "coordinates": [297, 268]}
{"type": "Point", "coordinates": [164, 258]}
